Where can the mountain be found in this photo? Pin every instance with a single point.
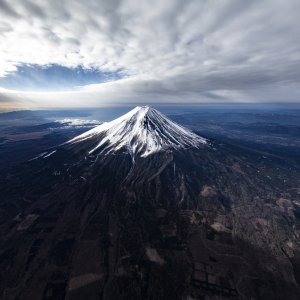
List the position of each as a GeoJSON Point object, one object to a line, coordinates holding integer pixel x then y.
{"type": "Point", "coordinates": [142, 131]}
{"type": "Point", "coordinates": [143, 208]}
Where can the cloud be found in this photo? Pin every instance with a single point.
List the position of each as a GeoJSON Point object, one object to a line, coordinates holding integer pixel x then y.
{"type": "Point", "coordinates": [171, 50]}
{"type": "Point", "coordinates": [7, 9]}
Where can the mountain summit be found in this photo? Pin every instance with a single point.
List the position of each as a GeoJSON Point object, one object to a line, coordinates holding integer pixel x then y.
{"type": "Point", "coordinates": [142, 131]}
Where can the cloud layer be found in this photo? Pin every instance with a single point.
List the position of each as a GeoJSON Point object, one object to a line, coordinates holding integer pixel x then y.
{"type": "Point", "coordinates": [166, 51]}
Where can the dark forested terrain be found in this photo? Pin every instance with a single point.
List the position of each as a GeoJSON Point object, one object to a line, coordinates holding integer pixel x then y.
{"type": "Point", "coordinates": [218, 222]}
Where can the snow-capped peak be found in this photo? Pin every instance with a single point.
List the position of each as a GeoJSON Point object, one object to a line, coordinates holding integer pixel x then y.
{"type": "Point", "coordinates": [142, 131]}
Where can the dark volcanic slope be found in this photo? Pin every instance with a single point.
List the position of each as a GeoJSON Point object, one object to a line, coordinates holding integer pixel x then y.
{"type": "Point", "coordinates": [213, 222]}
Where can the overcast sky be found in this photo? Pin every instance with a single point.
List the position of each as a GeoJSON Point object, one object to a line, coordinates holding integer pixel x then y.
{"type": "Point", "coordinates": [100, 52]}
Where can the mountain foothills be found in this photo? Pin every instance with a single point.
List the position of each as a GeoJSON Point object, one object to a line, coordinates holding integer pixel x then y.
{"type": "Point", "coordinates": [143, 208]}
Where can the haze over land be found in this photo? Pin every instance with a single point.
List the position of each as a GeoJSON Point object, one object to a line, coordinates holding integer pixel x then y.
{"type": "Point", "coordinates": [95, 53]}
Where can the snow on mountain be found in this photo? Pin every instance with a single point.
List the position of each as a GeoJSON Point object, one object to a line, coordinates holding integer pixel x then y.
{"type": "Point", "coordinates": [142, 131]}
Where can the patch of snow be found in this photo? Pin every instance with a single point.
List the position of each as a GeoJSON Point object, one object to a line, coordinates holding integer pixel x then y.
{"type": "Point", "coordinates": [42, 154]}
{"type": "Point", "coordinates": [49, 154]}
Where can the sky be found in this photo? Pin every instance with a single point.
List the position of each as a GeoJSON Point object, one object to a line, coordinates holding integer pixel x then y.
{"type": "Point", "coordinates": [74, 53]}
